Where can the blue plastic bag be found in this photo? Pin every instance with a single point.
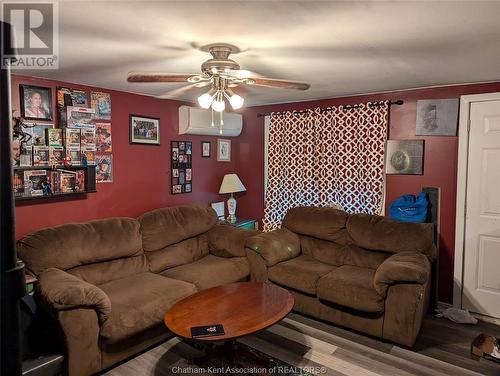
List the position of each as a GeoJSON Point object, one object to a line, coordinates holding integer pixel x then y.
{"type": "Point", "coordinates": [410, 208]}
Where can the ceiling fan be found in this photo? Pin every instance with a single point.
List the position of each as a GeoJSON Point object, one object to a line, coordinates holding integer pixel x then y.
{"type": "Point", "coordinates": [220, 73]}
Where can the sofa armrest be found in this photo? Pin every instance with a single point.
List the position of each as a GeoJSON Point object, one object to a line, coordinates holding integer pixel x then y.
{"type": "Point", "coordinates": [403, 267]}
{"type": "Point", "coordinates": [228, 241]}
{"type": "Point", "coordinates": [275, 246]}
{"type": "Point", "coordinates": [63, 291]}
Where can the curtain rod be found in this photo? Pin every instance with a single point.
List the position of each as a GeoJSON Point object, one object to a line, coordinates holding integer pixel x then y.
{"type": "Point", "coordinates": [398, 102]}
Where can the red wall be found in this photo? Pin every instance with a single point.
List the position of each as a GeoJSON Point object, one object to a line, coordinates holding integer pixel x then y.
{"type": "Point", "coordinates": [141, 176]}
{"type": "Point", "coordinates": [440, 160]}
{"type": "Point", "coordinates": [142, 173]}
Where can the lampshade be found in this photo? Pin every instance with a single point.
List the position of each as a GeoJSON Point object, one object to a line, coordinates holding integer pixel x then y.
{"type": "Point", "coordinates": [231, 183]}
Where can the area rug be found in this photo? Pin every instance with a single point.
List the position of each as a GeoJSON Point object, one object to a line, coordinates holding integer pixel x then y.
{"type": "Point", "coordinates": [247, 362]}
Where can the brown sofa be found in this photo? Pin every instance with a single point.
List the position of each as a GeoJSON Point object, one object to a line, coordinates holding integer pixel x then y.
{"type": "Point", "coordinates": [109, 282]}
{"type": "Point", "coordinates": [364, 272]}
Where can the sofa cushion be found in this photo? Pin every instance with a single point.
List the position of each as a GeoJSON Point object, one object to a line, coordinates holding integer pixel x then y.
{"type": "Point", "coordinates": [364, 258]}
{"type": "Point", "coordinates": [275, 246]}
{"type": "Point", "coordinates": [163, 227]}
{"type": "Point", "coordinates": [71, 245]}
{"type": "Point", "coordinates": [337, 254]}
{"type": "Point", "coordinates": [178, 254]}
{"type": "Point", "coordinates": [352, 287]}
{"type": "Point", "coordinates": [211, 271]}
{"type": "Point", "coordinates": [301, 273]}
{"type": "Point", "coordinates": [384, 234]}
{"type": "Point", "coordinates": [102, 272]}
{"type": "Point", "coordinates": [139, 302]}
{"type": "Point", "coordinates": [228, 241]}
{"type": "Point", "coordinates": [319, 222]}
{"type": "Point", "coordinates": [324, 251]}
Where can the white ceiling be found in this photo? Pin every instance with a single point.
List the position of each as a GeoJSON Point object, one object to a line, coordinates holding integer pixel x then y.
{"type": "Point", "coordinates": [340, 48]}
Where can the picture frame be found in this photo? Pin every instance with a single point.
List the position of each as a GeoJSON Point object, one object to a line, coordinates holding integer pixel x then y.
{"type": "Point", "coordinates": [404, 157]}
{"type": "Point", "coordinates": [36, 102]}
{"type": "Point", "coordinates": [181, 167]}
{"type": "Point", "coordinates": [437, 117]}
{"type": "Point", "coordinates": [220, 209]}
{"type": "Point", "coordinates": [144, 130]}
{"type": "Point", "coordinates": [223, 150]}
{"type": "Point", "coordinates": [101, 103]}
{"type": "Point", "coordinates": [205, 149]}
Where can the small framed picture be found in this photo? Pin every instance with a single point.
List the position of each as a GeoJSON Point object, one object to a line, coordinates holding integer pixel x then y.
{"type": "Point", "coordinates": [220, 209]}
{"type": "Point", "coordinates": [205, 149]}
{"type": "Point", "coordinates": [36, 102]}
{"type": "Point", "coordinates": [144, 130]}
{"type": "Point", "coordinates": [404, 157]}
{"type": "Point", "coordinates": [175, 154]}
{"type": "Point", "coordinates": [437, 117]}
{"type": "Point", "coordinates": [223, 150]}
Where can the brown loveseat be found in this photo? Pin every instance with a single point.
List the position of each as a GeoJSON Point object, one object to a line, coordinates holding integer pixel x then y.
{"type": "Point", "coordinates": [109, 282]}
{"type": "Point", "coordinates": [364, 272]}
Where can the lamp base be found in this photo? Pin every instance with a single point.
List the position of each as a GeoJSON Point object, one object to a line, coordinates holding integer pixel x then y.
{"type": "Point", "coordinates": [231, 208]}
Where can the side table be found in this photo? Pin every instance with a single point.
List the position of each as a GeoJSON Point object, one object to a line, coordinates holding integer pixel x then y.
{"type": "Point", "coordinates": [247, 224]}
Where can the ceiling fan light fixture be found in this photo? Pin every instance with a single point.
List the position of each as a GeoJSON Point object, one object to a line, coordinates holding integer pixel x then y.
{"type": "Point", "coordinates": [235, 100]}
{"type": "Point", "coordinates": [218, 105]}
{"type": "Point", "coordinates": [205, 100]}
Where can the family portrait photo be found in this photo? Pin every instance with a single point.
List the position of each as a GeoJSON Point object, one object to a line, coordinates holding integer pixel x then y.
{"type": "Point", "coordinates": [36, 102]}
{"type": "Point", "coordinates": [144, 130]}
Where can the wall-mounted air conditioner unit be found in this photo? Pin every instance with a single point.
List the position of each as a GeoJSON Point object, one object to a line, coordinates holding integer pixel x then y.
{"type": "Point", "coordinates": [194, 120]}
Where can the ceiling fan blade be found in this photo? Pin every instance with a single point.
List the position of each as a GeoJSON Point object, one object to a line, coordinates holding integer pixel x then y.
{"type": "Point", "coordinates": [244, 73]}
{"type": "Point", "coordinates": [159, 77]}
{"type": "Point", "coordinates": [240, 90]}
{"type": "Point", "coordinates": [280, 84]}
{"type": "Point", "coordinates": [181, 90]}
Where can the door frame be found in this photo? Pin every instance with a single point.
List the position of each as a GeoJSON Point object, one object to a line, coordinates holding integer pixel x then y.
{"type": "Point", "coordinates": [463, 158]}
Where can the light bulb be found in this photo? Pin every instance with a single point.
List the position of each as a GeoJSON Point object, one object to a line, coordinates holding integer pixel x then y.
{"type": "Point", "coordinates": [236, 101]}
{"type": "Point", "coordinates": [205, 100]}
{"type": "Point", "coordinates": [219, 105]}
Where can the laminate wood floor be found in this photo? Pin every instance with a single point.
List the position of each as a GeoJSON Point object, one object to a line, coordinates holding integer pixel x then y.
{"type": "Point", "coordinates": [442, 348]}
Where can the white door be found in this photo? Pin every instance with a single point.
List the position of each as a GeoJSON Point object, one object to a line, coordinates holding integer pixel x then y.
{"type": "Point", "coordinates": [481, 288]}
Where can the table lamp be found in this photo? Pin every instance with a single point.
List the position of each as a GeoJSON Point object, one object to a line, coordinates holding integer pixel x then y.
{"type": "Point", "coordinates": [231, 184]}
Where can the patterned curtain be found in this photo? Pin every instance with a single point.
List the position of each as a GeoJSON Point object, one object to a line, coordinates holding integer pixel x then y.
{"type": "Point", "coordinates": [350, 157]}
{"type": "Point", "coordinates": [291, 167]}
{"type": "Point", "coordinates": [326, 158]}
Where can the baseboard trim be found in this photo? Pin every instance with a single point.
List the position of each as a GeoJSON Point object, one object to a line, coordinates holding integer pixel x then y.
{"type": "Point", "coordinates": [489, 319]}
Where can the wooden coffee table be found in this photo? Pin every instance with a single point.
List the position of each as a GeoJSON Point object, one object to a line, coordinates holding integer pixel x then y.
{"type": "Point", "coordinates": [242, 308]}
